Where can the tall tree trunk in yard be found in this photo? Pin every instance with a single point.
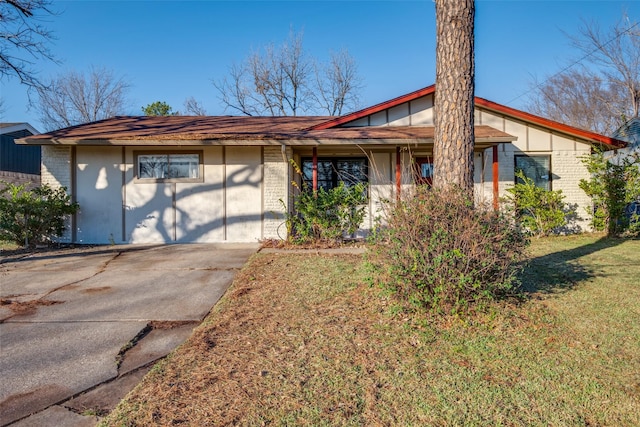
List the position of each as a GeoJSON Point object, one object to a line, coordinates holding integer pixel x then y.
{"type": "Point", "coordinates": [454, 137]}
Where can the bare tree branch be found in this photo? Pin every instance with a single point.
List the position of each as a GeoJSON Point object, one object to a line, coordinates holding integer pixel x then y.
{"type": "Point", "coordinates": [605, 92]}
{"type": "Point", "coordinates": [284, 81]}
{"type": "Point", "coordinates": [193, 107]}
{"type": "Point", "coordinates": [74, 98]}
{"type": "Point", "coordinates": [618, 53]}
{"type": "Point", "coordinates": [338, 84]}
{"type": "Point", "coordinates": [23, 39]}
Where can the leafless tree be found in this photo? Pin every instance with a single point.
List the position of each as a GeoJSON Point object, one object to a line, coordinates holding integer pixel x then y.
{"type": "Point", "coordinates": [23, 39]}
{"type": "Point", "coordinates": [338, 84]}
{"type": "Point", "coordinates": [454, 96]}
{"type": "Point", "coordinates": [603, 93]}
{"type": "Point", "coordinates": [580, 98]}
{"type": "Point", "coordinates": [74, 98]}
{"type": "Point", "coordinates": [617, 52]}
{"type": "Point", "coordinates": [193, 107]}
{"type": "Point", "coordinates": [285, 81]}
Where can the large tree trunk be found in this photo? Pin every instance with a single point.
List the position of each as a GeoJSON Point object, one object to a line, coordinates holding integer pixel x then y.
{"type": "Point", "coordinates": [454, 138]}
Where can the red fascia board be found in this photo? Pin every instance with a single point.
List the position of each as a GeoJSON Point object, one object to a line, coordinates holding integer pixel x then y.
{"type": "Point", "coordinates": [531, 118]}
{"type": "Point", "coordinates": [376, 108]}
{"type": "Point", "coordinates": [429, 90]}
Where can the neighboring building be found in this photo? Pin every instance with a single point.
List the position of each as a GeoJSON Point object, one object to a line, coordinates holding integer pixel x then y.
{"type": "Point", "coordinates": [19, 164]}
{"type": "Point", "coordinates": [629, 133]}
{"type": "Point", "coordinates": [213, 179]}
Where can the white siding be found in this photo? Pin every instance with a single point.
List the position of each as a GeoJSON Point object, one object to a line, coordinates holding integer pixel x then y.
{"type": "Point", "coordinates": [99, 193]}
{"type": "Point", "coordinates": [243, 194]}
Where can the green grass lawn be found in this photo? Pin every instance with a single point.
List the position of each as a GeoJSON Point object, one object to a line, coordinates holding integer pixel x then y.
{"type": "Point", "coordinates": [303, 340]}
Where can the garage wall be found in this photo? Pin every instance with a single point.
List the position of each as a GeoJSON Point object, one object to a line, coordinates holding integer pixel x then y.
{"type": "Point", "coordinates": [115, 208]}
{"type": "Point", "coordinates": [98, 191]}
{"type": "Point", "coordinates": [243, 171]}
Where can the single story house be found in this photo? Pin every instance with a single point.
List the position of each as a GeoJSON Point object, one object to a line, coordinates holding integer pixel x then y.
{"type": "Point", "coordinates": [19, 164]}
{"type": "Point", "coordinates": [230, 179]}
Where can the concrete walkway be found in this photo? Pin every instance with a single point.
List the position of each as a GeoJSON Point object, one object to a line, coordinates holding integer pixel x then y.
{"type": "Point", "coordinates": [80, 327]}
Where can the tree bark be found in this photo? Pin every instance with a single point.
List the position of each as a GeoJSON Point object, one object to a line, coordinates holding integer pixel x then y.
{"type": "Point", "coordinates": [455, 73]}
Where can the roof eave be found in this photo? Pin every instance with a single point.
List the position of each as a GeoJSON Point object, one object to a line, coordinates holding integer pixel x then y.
{"type": "Point", "coordinates": [553, 125]}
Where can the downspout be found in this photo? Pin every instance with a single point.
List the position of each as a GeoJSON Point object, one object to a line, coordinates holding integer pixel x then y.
{"type": "Point", "coordinates": [315, 170]}
{"type": "Point", "coordinates": [398, 173]}
{"type": "Point", "coordinates": [496, 178]}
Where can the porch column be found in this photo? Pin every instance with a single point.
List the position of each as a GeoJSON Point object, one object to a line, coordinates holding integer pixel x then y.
{"type": "Point", "coordinates": [496, 178]}
{"type": "Point", "coordinates": [314, 169]}
{"type": "Point", "coordinates": [398, 173]}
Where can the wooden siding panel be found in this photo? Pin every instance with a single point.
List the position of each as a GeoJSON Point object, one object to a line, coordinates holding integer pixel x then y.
{"type": "Point", "coordinates": [539, 139]}
{"type": "Point", "coordinates": [399, 115]}
{"type": "Point", "coordinates": [422, 111]}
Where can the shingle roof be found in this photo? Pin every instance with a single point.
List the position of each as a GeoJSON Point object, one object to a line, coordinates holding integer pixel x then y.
{"type": "Point", "coordinates": [629, 132]}
{"type": "Point", "coordinates": [187, 130]}
{"type": "Point", "coordinates": [182, 128]}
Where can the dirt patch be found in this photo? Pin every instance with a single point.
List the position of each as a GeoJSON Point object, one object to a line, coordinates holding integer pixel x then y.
{"type": "Point", "coordinates": [25, 307]}
{"type": "Point", "coordinates": [165, 325]}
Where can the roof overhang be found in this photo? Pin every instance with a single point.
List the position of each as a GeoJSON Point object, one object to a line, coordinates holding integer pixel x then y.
{"type": "Point", "coordinates": [7, 128]}
{"type": "Point", "coordinates": [485, 136]}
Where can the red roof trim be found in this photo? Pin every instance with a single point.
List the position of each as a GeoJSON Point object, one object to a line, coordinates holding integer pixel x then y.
{"type": "Point", "coordinates": [376, 108]}
{"type": "Point", "coordinates": [429, 90]}
{"type": "Point", "coordinates": [560, 127]}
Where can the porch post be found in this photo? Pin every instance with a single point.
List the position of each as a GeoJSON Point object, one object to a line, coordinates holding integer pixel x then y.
{"type": "Point", "coordinates": [315, 169]}
{"type": "Point", "coordinates": [398, 173]}
{"type": "Point", "coordinates": [495, 177]}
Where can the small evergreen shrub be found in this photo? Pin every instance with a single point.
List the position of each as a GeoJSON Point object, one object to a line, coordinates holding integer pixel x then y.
{"type": "Point", "coordinates": [540, 212]}
{"type": "Point", "coordinates": [31, 217]}
{"type": "Point", "coordinates": [438, 252]}
{"type": "Point", "coordinates": [613, 187]}
{"type": "Point", "coordinates": [327, 215]}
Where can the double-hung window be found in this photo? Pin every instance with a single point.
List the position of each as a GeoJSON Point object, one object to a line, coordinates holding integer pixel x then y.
{"type": "Point", "coordinates": [169, 166]}
{"type": "Point", "coordinates": [536, 168]}
{"type": "Point", "coordinates": [333, 171]}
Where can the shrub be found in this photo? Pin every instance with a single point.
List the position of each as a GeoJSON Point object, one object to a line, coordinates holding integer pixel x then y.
{"type": "Point", "coordinates": [613, 186]}
{"type": "Point", "coordinates": [539, 211]}
{"type": "Point", "coordinates": [32, 217]}
{"type": "Point", "coordinates": [440, 253]}
{"type": "Point", "coordinates": [327, 215]}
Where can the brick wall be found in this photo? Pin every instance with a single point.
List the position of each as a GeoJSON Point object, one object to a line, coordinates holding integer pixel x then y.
{"type": "Point", "coordinates": [276, 188]}
{"type": "Point", "coordinates": [56, 172]}
{"type": "Point", "coordinates": [568, 170]}
{"type": "Point", "coordinates": [19, 178]}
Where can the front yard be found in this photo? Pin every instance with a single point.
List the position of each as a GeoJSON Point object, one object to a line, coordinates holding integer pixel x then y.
{"type": "Point", "coordinates": [302, 339]}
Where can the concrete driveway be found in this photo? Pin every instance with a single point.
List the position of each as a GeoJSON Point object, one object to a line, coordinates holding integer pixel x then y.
{"type": "Point", "coordinates": [80, 327]}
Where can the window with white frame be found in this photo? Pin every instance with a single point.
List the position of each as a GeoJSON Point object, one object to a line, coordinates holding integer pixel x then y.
{"type": "Point", "coordinates": [169, 166]}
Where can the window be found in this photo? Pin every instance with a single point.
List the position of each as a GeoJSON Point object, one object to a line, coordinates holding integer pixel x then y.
{"type": "Point", "coordinates": [169, 167]}
{"type": "Point", "coordinates": [537, 168]}
{"type": "Point", "coordinates": [424, 171]}
{"type": "Point", "coordinates": [332, 171]}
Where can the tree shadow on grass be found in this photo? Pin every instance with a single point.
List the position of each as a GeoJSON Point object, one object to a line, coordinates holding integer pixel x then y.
{"type": "Point", "coordinates": [561, 271]}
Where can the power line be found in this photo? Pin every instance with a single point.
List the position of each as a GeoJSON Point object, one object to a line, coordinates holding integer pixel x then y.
{"type": "Point", "coordinates": [588, 54]}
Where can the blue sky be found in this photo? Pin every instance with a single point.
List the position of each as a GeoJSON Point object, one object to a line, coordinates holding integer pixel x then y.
{"type": "Point", "coordinates": [171, 50]}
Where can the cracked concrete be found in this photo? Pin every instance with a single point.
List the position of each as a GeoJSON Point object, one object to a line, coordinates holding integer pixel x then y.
{"type": "Point", "coordinates": [118, 310]}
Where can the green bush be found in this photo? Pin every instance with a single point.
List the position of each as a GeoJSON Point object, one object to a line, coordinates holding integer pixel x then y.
{"type": "Point", "coordinates": [612, 187]}
{"type": "Point", "coordinates": [31, 217]}
{"type": "Point", "coordinates": [441, 253]}
{"type": "Point", "coordinates": [540, 212]}
{"type": "Point", "coordinates": [327, 215]}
